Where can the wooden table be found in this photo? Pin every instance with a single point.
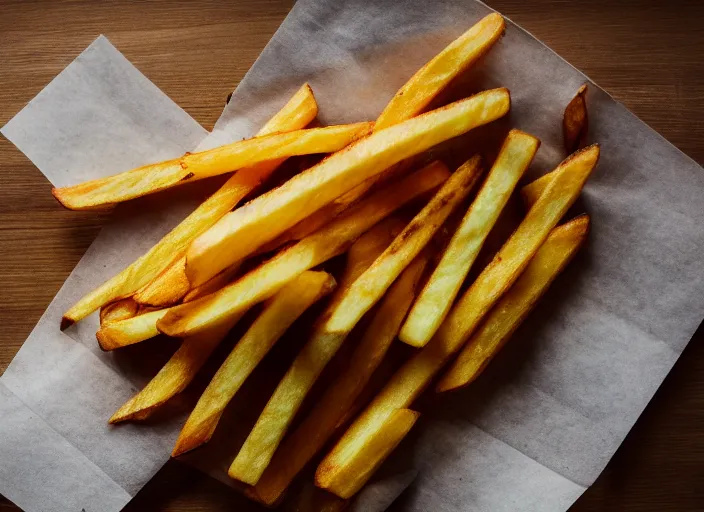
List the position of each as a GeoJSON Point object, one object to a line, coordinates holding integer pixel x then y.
{"type": "Point", "coordinates": [646, 53]}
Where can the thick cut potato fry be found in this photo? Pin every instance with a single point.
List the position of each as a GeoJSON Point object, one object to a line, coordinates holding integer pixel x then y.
{"type": "Point", "coordinates": [432, 78]}
{"type": "Point", "coordinates": [213, 162]}
{"type": "Point", "coordinates": [345, 481]}
{"type": "Point", "coordinates": [297, 113]}
{"type": "Point", "coordinates": [240, 233]}
{"type": "Point", "coordinates": [555, 253]}
{"type": "Point", "coordinates": [531, 192]}
{"type": "Point", "coordinates": [278, 315]}
{"type": "Point", "coordinates": [118, 310]}
{"type": "Point", "coordinates": [175, 375]}
{"type": "Point", "coordinates": [412, 378]}
{"type": "Point", "coordinates": [442, 288]}
{"type": "Point", "coordinates": [330, 411]}
{"type": "Point", "coordinates": [327, 213]}
{"type": "Point", "coordinates": [129, 331]}
{"type": "Point", "coordinates": [369, 288]}
{"type": "Point", "coordinates": [575, 121]}
{"type": "Point", "coordinates": [167, 288]}
{"type": "Point", "coordinates": [213, 284]}
{"type": "Point", "coordinates": [264, 281]}
{"type": "Point", "coordinates": [289, 394]}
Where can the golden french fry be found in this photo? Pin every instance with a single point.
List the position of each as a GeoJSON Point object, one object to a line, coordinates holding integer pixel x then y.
{"type": "Point", "coordinates": [531, 192]}
{"type": "Point", "coordinates": [129, 331]}
{"type": "Point", "coordinates": [328, 212]}
{"type": "Point", "coordinates": [555, 253]}
{"type": "Point", "coordinates": [432, 78]}
{"type": "Point", "coordinates": [197, 166]}
{"type": "Point", "coordinates": [364, 293]}
{"type": "Point", "coordinates": [264, 281]}
{"type": "Point", "coordinates": [118, 310]}
{"type": "Point", "coordinates": [167, 288]}
{"type": "Point", "coordinates": [289, 394]}
{"type": "Point", "coordinates": [442, 288]}
{"type": "Point", "coordinates": [241, 232]}
{"type": "Point", "coordinates": [297, 113]}
{"type": "Point", "coordinates": [345, 481]}
{"type": "Point", "coordinates": [410, 380]}
{"type": "Point", "coordinates": [575, 121]}
{"type": "Point", "coordinates": [213, 284]}
{"type": "Point", "coordinates": [277, 316]}
{"type": "Point", "coordinates": [175, 375]}
{"type": "Point", "coordinates": [330, 411]}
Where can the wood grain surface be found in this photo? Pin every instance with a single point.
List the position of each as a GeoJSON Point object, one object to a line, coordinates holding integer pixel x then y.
{"type": "Point", "coordinates": [648, 54]}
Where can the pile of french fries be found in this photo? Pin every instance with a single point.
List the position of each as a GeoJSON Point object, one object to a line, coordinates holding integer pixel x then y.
{"type": "Point", "coordinates": [407, 285]}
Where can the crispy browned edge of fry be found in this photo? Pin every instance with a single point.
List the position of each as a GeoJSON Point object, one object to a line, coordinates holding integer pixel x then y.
{"type": "Point", "coordinates": [119, 310]}
{"type": "Point", "coordinates": [575, 121]}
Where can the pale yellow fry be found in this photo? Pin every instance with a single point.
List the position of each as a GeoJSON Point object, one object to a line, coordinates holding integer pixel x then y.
{"type": "Point", "coordinates": [240, 233]}
{"type": "Point", "coordinates": [329, 412]}
{"type": "Point", "coordinates": [333, 239]}
{"type": "Point", "coordinates": [555, 253]}
{"type": "Point", "coordinates": [118, 310]}
{"type": "Point", "coordinates": [345, 481]}
{"type": "Point", "coordinates": [213, 284]}
{"type": "Point", "coordinates": [277, 316]}
{"type": "Point", "coordinates": [442, 288]}
{"type": "Point", "coordinates": [369, 288]}
{"type": "Point", "coordinates": [297, 113]}
{"type": "Point", "coordinates": [176, 374]}
{"type": "Point", "coordinates": [197, 166]}
{"type": "Point", "coordinates": [531, 192]}
{"type": "Point", "coordinates": [466, 314]}
{"type": "Point", "coordinates": [319, 349]}
{"type": "Point", "coordinates": [129, 331]}
{"type": "Point", "coordinates": [432, 78]}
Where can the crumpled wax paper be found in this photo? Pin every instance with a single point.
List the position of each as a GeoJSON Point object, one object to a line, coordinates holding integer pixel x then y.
{"type": "Point", "coordinates": [541, 423]}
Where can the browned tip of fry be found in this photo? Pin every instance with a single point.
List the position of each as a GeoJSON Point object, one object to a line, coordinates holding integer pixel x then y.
{"type": "Point", "coordinates": [66, 322]}
{"type": "Point", "coordinates": [105, 341]}
{"type": "Point", "coordinates": [128, 413]}
{"type": "Point", "coordinates": [575, 121]}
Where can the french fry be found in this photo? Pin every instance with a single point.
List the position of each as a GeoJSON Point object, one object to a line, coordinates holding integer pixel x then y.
{"type": "Point", "coordinates": [259, 284]}
{"type": "Point", "coordinates": [330, 411]}
{"type": "Point", "coordinates": [345, 481]}
{"type": "Point", "coordinates": [575, 121]}
{"type": "Point", "coordinates": [555, 253]}
{"type": "Point", "coordinates": [297, 113]}
{"type": "Point", "coordinates": [175, 375]}
{"type": "Point", "coordinates": [167, 288]}
{"type": "Point", "coordinates": [279, 313]}
{"type": "Point", "coordinates": [213, 162]}
{"type": "Point", "coordinates": [213, 284]}
{"type": "Point", "coordinates": [328, 212]}
{"type": "Point", "coordinates": [118, 310]}
{"type": "Point", "coordinates": [442, 288]}
{"type": "Point", "coordinates": [373, 283]}
{"type": "Point", "coordinates": [432, 78]}
{"type": "Point", "coordinates": [531, 192]}
{"type": "Point", "coordinates": [289, 394]}
{"type": "Point", "coordinates": [129, 331]}
{"type": "Point", "coordinates": [412, 378]}
{"type": "Point", "coordinates": [241, 232]}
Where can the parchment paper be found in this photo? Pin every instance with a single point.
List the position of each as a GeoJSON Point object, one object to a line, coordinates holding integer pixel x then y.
{"type": "Point", "coordinates": [540, 424]}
